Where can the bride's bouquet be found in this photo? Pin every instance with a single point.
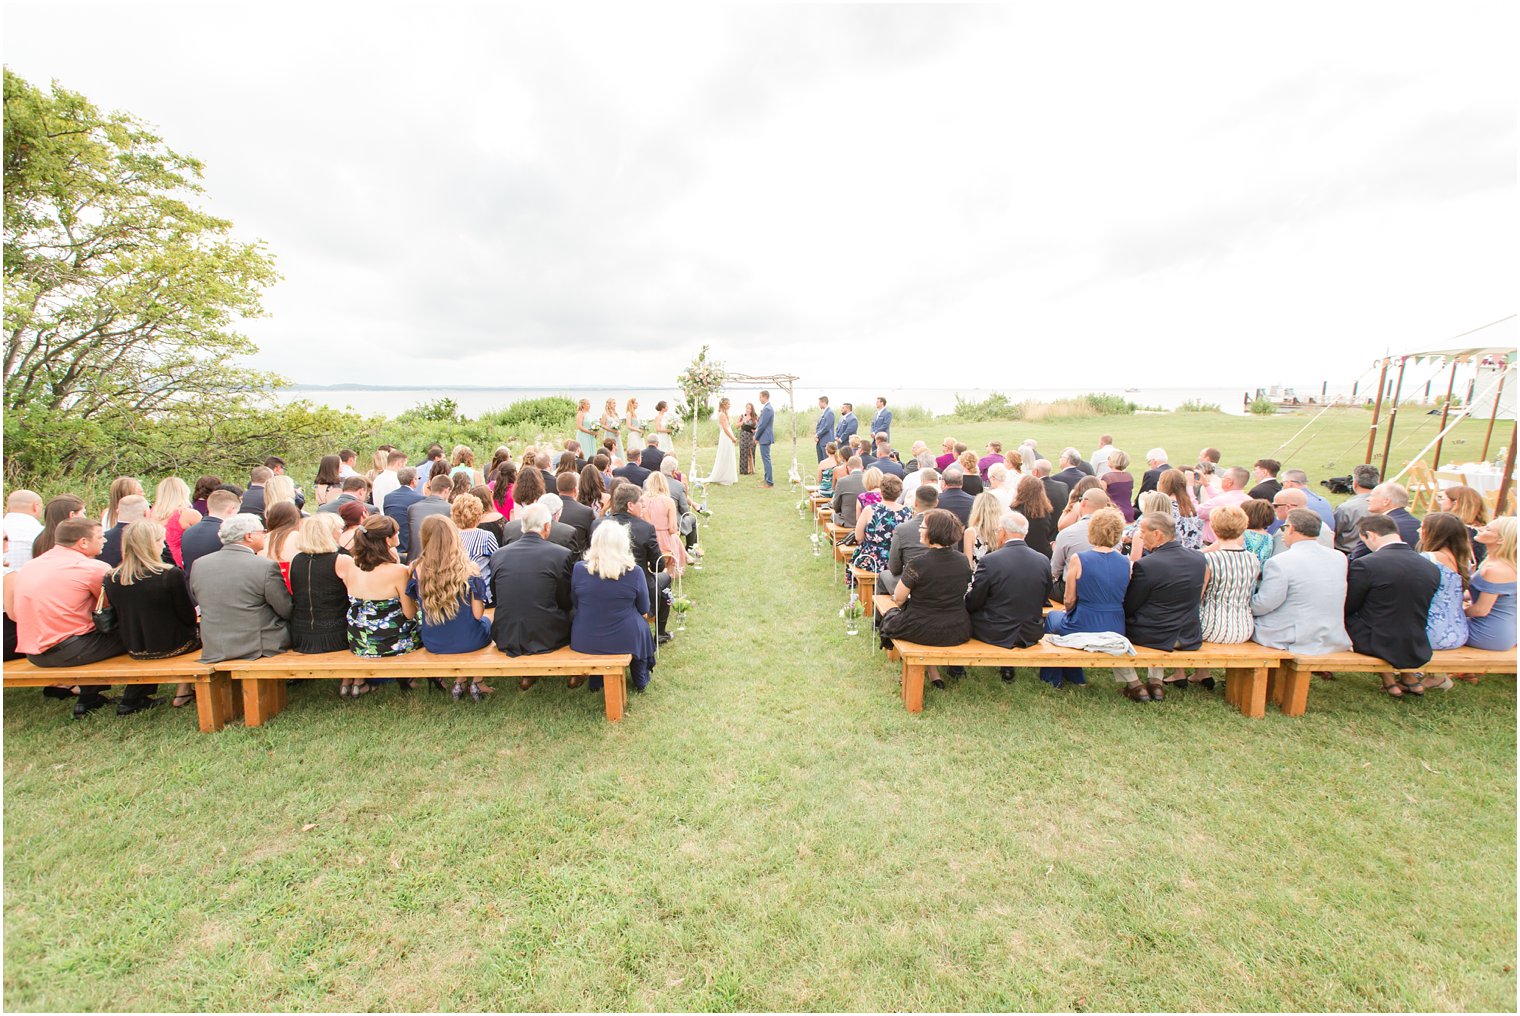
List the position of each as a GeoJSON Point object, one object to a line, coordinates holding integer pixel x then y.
{"type": "Point", "coordinates": [673, 425]}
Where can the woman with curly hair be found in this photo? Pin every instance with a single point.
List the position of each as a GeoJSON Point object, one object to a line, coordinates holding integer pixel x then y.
{"type": "Point", "coordinates": [451, 596]}
{"type": "Point", "coordinates": [478, 543]}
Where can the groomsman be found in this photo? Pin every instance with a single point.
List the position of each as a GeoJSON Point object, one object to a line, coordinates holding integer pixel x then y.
{"type": "Point", "coordinates": [881, 423]}
{"type": "Point", "coordinates": [765, 435]}
{"type": "Point", "coordinates": [847, 426]}
{"type": "Point", "coordinates": [824, 431]}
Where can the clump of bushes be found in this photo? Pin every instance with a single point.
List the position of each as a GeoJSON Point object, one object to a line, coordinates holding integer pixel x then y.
{"type": "Point", "coordinates": [1262, 406]}
{"type": "Point", "coordinates": [1197, 406]}
{"type": "Point", "coordinates": [998, 406]}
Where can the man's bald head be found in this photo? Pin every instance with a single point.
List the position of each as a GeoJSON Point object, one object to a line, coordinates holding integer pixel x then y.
{"type": "Point", "coordinates": [24, 502]}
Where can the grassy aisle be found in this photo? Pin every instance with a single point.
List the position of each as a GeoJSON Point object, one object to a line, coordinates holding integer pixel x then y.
{"type": "Point", "coordinates": [768, 829]}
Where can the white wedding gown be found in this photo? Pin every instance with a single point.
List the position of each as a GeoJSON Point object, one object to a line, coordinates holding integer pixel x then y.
{"type": "Point", "coordinates": [726, 467]}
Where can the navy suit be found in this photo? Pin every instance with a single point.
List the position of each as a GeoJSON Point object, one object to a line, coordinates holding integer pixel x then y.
{"type": "Point", "coordinates": [765, 436]}
{"type": "Point", "coordinates": [846, 429]}
{"type": "Point", "coordinates": [1409, 532]}
{"type": "Point", "coordinates": [1161, 602]}
{"type": "Point", "coordinates": [957, 502]}
{"type": "Point", "coordinates": [396, 504]}
{"type": "Point", "coordinates": [881, 423]}
{"type": "Point", "coordinates": [824, 431]}
{"type": "Point", "coordinates": [1388, 596]}
{"type": "Point", "coordinates": [1008, 596]}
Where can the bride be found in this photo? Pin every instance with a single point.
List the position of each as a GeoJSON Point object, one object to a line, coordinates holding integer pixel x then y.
{"type": "Point", "coordinates": [726, 466]}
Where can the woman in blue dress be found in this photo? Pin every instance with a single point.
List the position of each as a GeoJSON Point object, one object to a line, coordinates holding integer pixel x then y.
{"type": "Point", "coordinates": [450, 596]}
{"type": "Point", "coordinates": [611, 597]}
{"type": "Point", "coordinates": [1443, 541]}
{"type": "Point", "coordinates": [585, 429]}
{"type": "Point", "coordinates": [1491, 614]}
{"type": "Point", "coordinates": [1096, 581]}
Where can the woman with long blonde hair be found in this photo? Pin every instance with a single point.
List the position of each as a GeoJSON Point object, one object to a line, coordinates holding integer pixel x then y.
{"type": "Point", "coordinates": [633, 437]}
{"type": "Point", "coordinates": [121, 487]}
{"type": "Point", "coordinates": [660, 512]}
{"type": "Point", "coordinates": [451, 598]}
{"type": "Point", "coordinates": [611, 422]}
{"type": "Point", "coordinates": [980, 538]}
{"type": "Point", "coordinates": [279, 490]}
{"type": "Point", "coordinates": [1491, 614]}
{"type": "Point", "coordinates": [172, 510]}
{"type": "Point", "coordinates": [153, 610]}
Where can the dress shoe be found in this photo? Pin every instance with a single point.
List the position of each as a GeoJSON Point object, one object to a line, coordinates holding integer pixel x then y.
{"type": "Point", "coordinates": [1158, 692]}
{"type": "Point", "coordinates": [939, 683]}
{"type": "Point", "coordinates": [665, 637]}
{"type": "Point", "coordinates": [1007, 674]}
{"type": "Point", "coordinates": [1136, 693]}
{"type": "Point", "coordinates": [128, 708]}
{"type": "Point", "coordinates": [58, 693]}
{"type": "Point", "coordinates": [956, 672]}
{"type": "Point", "coordinates": [1207, 684]}
{"type": "Point", "coordinates": [85, 707]}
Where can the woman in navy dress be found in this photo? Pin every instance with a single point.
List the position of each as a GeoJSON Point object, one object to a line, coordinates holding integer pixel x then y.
{"type": "Point", "coordinates": [1096, 581]}
{"type": "Point", "coordinates": [611, 597]}
{"type": "Point", "coordinates": [450, 597]}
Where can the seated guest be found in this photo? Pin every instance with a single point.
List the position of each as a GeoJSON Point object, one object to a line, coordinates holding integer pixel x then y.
{"type": "Point", "coordinates": [1388, 594]}
{"type": "Point", "coordinates": [1031, 501]}
{"type": "Point", "coordinates": [171, 509]}
{"type": "Point", "coordinates": [202, 539]}
{"type": "Point", "coordinates": [243, 600]}
{"type": "Point", "coordinates": [685, 509]}
{"type": "Point", "coordinates": [451, 598]}
{"type": "Point", "coordinates": [931, 597]}
{"type": "Point", "coordinates": [1161, 604]}
{"type": "Point", "coordinates": [579, 517]}
{"type": "Point", "coordinates": [531, 580]}
{"type": "Point", "coordinates": [1467, 504]}
{"type": "Point", "coordinates": [202, 490]}
{"type": "Point", "coordinates": [1229, 578]}
{"type": "Point", "coordinates": [1364, 479]}
{"type": "Point", "coordinates": [870, 478]}
{"type": "Point", "coordinates": [633, 472]}
{"type": "Point", "coordinates": [1058, 493]}
{"type": "Point", "coordinates": [905, 544]}
{"type": "Point", "coordinates": [491, 521]}
{"type": "Point", "coordinates": [1444, 543]}
{"type": "Point", "coordinates": [1073, 539]}
{"type": "Point", "coordinates": [1299, 606]}
{"type": "Point", "coordinates": [592, 492]}
{"type": "Point", "coordinates": [660, 512]}
{"type": "Point", "coordinates": [388, 480]}
{"type": "Point", "coordinates": [1232, 493]}
{"type": "Point", "coordinates": [984, 464]}
{"type": "Point", "coordinates": [627, 510]}
{"type": "Point", "coordinates": [154, 615]}
{"type": "Point", "coordinates": [503, 479]}
{"type": "Point", "coordinates": [130, 509]}
{"type": "Point", "coordinates": [527, 490]}
{"type": "Point", "coordinates": [825, 475]}
{"type": "Point", "coordinates": [1264, 474]}
{"type": "Point", "coordinates": [971, 477]}
{"type": "Point", "coordinates": [874, 528]}
{"type": "Point", "coordinates": [1156, 464]}
{"type": "Point", "coordinates": [1073, 510]}
{"type": "Point", "coordinates": [560, 534]}
{"type": "Point", "coordinates": [382, 618]}
{"type": "Point", "coordinates": [281, 520]}
{"type": "Point", "coordinates": [1009, 591]}
{"type": "Point", "coordinates": [1092, 590]}
{"type": "Point", "coordinates": [952, 498]}
{"type": "Point", "coordinates": [885, 458]}
{"type": "Point", "coordinates": [352, 515]}
{"type": "Point", "coordinates": [652, 454]}
{"type": "Point", "coordinates": [1118, 484]}
{"type": "Point", "coordinates": [396, 504]}
{"type": "Point", "coordinates": [433, 502]}
{"type": "Point", "coordinates": [53, 600]}
{"type": "Point", "coordinates": [64, 506]}
{"type": "Point", "coordinates": [981, 535]}
{"type": "Point", "coordinates": [610, 598]}
{"type": "Point", "coordinates": [23, 524]}
{"type": "Point", "coordinates": [280, 489]}
{"type": "Point", "coordinates": [1392, 500]}
{"type": "Point", "coordinates": [1288, 500]}
{"type": "Point", "coordinates": [1102, 458]}
{"type": "Point", "coordinates": [479, 545]}
{"type": "Point", "coordinates": [347, 460]}
{"type": "Point", "coordinates": [253, 497]}
{"type": "Point", "coordinates": [847, 490]}
{"type": "Point", "coordinates": [355, 488]}
{"type": "Point", "coordinates": [1001, 485]}
{"type": "Point", "coordinates": [329, 483]}
{"type": "Point", "coordinates": [1070, 473]}
{"type": "Point", "coordinates": [1297, 479]}
{"type": "Point", "coordinates": [1491, 615]}
{"type": "Point", "coordinates": [1259, 516]}
{"type": "Point", "coordinates": [319, 600]}
{"type": "Point", "coordinates": [1189, 527]}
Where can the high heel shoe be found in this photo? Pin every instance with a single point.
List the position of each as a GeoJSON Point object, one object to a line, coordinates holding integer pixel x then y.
{"type": "Point", "coordinates": [457, 692]}
{"type": "Point", "coordinates": [437, 682]}
{"type": "Point", "coordinates": [477, 692]}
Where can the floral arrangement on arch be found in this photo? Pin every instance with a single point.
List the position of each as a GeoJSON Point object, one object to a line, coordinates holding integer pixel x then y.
{"type": "Point", "coordinates": [699, 382]}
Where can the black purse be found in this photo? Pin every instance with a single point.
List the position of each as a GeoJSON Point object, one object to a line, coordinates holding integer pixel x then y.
{"type": "Point", "coordinates": [104, 614]}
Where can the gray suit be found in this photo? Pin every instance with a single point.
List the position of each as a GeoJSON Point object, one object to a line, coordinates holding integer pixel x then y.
{"type": "Point", "coordinates": [560, 534]}
{"type": "Point", "coordinates": [416, 512]}
{"type": "Point", "coordinates": [905, 547]}
{"type": "Point", "coordinates": [846, 503]}
{"type": "Point", "coordinates": [244, 604]}
{"type": "Point", "coordinates": [1302, 600]}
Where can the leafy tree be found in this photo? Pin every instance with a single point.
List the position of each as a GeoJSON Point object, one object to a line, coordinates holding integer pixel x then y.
{"type": "Point", "coordinates": [121, 295]}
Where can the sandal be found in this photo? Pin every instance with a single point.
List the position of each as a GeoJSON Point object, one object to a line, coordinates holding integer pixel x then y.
{"type": "Point", "coordinates": [1444, 685]}
{"type": "Point", "coordinates": [1393, 689]}
{"type": "Point", "coordinates": [1415, 687]}
{"type": "Point", "coordinates": [355, 690]}
{"type": "Point", "coordinates": [181, 701]}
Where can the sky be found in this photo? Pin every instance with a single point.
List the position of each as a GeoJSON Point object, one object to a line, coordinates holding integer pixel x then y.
{"type": "Point", "coordinates": [1030, 195]}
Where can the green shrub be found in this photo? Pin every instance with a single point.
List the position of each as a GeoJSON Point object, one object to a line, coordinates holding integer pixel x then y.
{"type": "Point", "coordinates": [1109, 405]}
{"type": "Point", "coordinates": [996, 406]}
{"type": "Point", "coordinates": [1263, 406]}
{"type": "Point", "coordinates": [1197, 406]}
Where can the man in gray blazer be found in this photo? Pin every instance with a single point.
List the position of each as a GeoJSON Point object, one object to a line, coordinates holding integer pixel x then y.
{"type": "Point", "coordinates": [433, 503]}
{"type": "Point", "coordinates": [560, 533]}
{"type": "Point", "coordinates": [1301, 603]}
{"type": "Point", "coordinates": [243, 600]}
{"type": "Point", "coordinates": [847, 491]}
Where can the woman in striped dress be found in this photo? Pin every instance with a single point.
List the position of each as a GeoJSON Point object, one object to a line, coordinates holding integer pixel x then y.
{"type": "Point", "coordinates": [1228, 578]}
{"type": "Point", "coordinates": [478, 543]}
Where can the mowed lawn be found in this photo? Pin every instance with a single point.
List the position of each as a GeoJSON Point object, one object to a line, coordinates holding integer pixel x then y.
{"type": "Point", "coordinates": [769, 829]}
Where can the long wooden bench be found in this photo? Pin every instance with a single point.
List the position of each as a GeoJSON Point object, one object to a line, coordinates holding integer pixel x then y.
{"type": "Point", "coordinates": [1246, 665]}
{"type": "Point", "coordinates": [213, 692]}
{"type": "Point", "coordinates": [1288, 684]}
{"type": "Point", "coordinates": [264, 680]}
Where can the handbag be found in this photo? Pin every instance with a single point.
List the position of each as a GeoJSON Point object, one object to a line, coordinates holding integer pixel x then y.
{"type": "Point", "coordinates": [104, 615]}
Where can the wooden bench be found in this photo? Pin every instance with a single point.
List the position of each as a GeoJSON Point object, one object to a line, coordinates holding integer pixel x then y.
{"type": "Point", "coordinates": [1246, 665]}
{"type": "Point", "coordinates": [264, 680]}
{"type": "Point", "coordinates": [1288, 684]}
{"type": "Point", "coordinates": [213, 692]}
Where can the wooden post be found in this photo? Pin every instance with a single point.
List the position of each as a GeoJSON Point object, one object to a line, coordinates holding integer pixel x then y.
{"type": "Point", "coordinates": [1377, 407]}
{"type": "Point", "coordinates": [1502, 503]}
{"type": "Point", "coordinates": [1445, 408]}
{"type": "Point", "coordinates": [1393, 416]}
{"type": "Point", "coordinates": [1494, 415]}
{"type": "Point", "coordinates": [913, 687]}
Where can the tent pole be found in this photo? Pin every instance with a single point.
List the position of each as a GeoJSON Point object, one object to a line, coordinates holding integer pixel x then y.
{"type": "Point", "coordinates": [1445, 408]}
{"type": "Point", "coordinates": [1509, 473]}
{"type": "Point", "coordinates": [1492, 416]}
{"type": "Point", "coordinates": [1377, 407]}
{"type": "Point", "coordinates": [1393, 416]}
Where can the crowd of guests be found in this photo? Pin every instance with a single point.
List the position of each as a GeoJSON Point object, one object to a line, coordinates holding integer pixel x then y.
{"type": "Point", "coordinates": [979, 545]}
{"type": "Point", "coordinates": [532, 553]}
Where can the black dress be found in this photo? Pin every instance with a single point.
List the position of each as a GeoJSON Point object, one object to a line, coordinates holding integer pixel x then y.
{"type": "Point", "coordinates": [154, 615]}
{"type": "Point", "coordinates": [319, 614]}
{"type": "Point", "coordinates": [497, 528]}
{"type": "Point", "coordinates": [935, 614]}
{"type": "Point", "coordinates": [1042, 532]}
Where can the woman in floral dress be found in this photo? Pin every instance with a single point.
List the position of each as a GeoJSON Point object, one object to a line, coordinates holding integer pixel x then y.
{"type": "Point", "coordinates": [382, 619]}
{"type": "Point", "coordinates": [874, 527]}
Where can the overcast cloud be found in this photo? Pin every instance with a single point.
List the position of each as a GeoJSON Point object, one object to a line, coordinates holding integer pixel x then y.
{"type": "Point", "coordinates": [1021, 196]}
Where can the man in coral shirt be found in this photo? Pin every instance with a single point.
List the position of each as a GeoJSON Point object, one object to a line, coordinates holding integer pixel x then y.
{"type": "Point", "coordinates": [1232, 493]}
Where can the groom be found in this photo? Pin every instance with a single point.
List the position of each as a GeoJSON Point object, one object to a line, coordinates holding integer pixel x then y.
{"type": "Point", "coordinates": [824, 432]}
{"type": "Point", "coordinates": [765, 434]}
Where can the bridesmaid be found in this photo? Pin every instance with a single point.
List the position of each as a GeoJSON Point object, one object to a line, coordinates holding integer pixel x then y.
{"type": "Point", "coordinates": [660, 428]}
{"type": "Point", "coordinates": [633, 438]}
{"type": "Point", "coordinates": [583, 434]}
{"type": "Point", "coordinates": [611, 423]}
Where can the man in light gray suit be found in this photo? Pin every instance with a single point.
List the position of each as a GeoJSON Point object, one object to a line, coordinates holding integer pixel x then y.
{"type": "Point", "coordinates": [243, 600]}
{"type": "Point", "coordinates": [1301, 604]}
{"type": "Point", "coordinates": [847, 491]}
{"type": "Point", "coordinates": [434, 502]}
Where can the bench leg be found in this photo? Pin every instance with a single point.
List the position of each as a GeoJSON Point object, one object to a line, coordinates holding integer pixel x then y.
{"type": "Point", "coordinates": [913, 688]}
{"type": "Point", "coordinates": [258, 702]}
{"type": "Point", "coordinates": [1255, 692]}
{"type": "Point", "coordinates": [210, 709]}
{"type": "Point", "coordinates": [1296, 681]}
{"type": "Point", "coordinates": [1232, 685]}
{"type": "Point", "coordinates": [615, 694]}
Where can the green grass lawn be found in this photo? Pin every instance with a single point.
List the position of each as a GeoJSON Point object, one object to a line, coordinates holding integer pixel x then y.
{"type": "Point", "coordinates": [769, 829]}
